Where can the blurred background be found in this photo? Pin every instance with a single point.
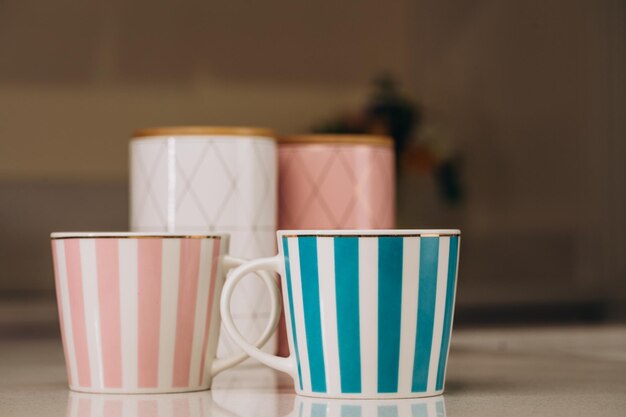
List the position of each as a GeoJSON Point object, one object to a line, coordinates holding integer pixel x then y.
{"type": "Point", "coordinates": [509, 115]}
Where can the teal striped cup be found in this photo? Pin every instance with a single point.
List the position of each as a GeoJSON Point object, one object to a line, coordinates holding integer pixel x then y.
{"type": "Point", "coordinates": [369, 312]}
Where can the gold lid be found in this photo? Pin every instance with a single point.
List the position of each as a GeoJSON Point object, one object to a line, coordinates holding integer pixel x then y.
{"type": "Point", "coordinates": [348, 139]}
{"type": "Point", "coordinates": [204, 130]}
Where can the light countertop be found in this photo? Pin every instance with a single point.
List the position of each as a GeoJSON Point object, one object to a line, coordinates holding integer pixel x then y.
{"type": "Point", "coordinates": [556, 371]}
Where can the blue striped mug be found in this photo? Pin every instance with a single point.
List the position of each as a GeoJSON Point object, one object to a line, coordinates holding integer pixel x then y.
{"type": "Point", "coordinates": [368, 312]}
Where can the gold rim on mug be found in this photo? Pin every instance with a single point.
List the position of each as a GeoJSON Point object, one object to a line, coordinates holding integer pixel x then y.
{"type": "Point", "coordinates": [128, 235]}
{"type": "Point", "coordinates": [336, 139]}
{"type": "Point", "coordinates": [371, 233]}
{"type": "Point", "coordinates": [234, 131]}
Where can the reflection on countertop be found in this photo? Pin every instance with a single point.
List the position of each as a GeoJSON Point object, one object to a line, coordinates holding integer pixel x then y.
{"type": "Point", "coordinates": [492, 372]}
{"type": "Point", "coordinates": [202, 404]}
{"type": "Point", "coordinates": [192, 404]}
{"type": "Point", "coordinates": [417, 407]}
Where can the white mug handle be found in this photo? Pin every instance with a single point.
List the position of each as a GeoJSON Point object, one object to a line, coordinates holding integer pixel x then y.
{"type": "Point", "coordinates": [286, 365]}
{"type": "Point", "coordinates": [229, 262]}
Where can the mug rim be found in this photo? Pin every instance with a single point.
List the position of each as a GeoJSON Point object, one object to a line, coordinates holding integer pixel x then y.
{"type": "Point", "coordinates": [134, 235]}
{"type": "Point", "coordinates": [370, 232]}
{"type": "Point", "coordinates": [176, 131]}
{"type": "Point", "coordinates": [336, 139]}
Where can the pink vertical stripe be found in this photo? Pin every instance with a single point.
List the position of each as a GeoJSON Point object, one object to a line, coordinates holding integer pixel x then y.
{"type": "Point", "coordinates": [107, 258]}
{"type": "Point", "coordinates": [84, 407]}
{"type": "Point", "coordinates": [112, 408]}
{"type": "Point", "coordinates": [77, 307]}
{"type": "Point", "coordinates": [57, 285]}
{"type": "Point", "coordinates": [147, 408]}
{"type": "Point", "coordinates": [187, 293]}
{"type": "Point", "coordinates": [182, 407]}
{"type": "Point", "coordinates": [149, 305]}
{"type": "Point", "coordinates": [213, 278]}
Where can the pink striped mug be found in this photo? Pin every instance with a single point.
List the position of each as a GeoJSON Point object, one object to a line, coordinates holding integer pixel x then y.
{"type": "Point", "coordinates": [139, 312]}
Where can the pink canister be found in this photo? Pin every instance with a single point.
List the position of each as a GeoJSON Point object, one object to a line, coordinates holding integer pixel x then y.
{"type": "Point", "coordinates": [335, 182]}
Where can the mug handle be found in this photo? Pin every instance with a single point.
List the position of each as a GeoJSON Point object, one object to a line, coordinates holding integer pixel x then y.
{"type": "Point", "coordinates": [287, 364]}
{"type": "Point", "coordinates": [230, 262]}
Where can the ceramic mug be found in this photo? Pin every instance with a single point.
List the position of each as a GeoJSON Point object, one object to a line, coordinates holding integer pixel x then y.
{"type": "Point", "coordinates": [211, 178]}
{"type": "Point", "coordinates": [139, 311]}
{"type": "Point", "coordinates": [369, 312]}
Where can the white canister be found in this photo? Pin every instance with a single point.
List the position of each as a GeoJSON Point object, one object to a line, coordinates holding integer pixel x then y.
{"type": "Point", "coordinates": [185, 179]}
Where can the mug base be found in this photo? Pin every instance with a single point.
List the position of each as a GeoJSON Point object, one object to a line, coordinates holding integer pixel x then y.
{"type": "Point", "coordinates": [374, 396]}
{"type": "Point", "coordinates": [132, 391]}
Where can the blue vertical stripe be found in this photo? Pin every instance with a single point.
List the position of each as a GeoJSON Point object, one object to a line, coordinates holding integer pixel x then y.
{"type": "Point", "coordinates": [318, 410]}
{"type": "Point", "coordinates": [350, 411]}
{"type": "Point", "coordinates": [419, 410]}
{"type": "Point", "coordinates": [387, 411]}
{"type": "Point", "coordinates": [441, 412]}
{"type": "Point", "coordinates": [447, 321]}
{"type": "Point", "coordinates": [427, 294]}
{"type": "Point", "coordinates": [291, 311]}
{"type": "Point", "coordinates": [348, 323]}
{"type": "Point", "coordinates": [311, 302]}
{"type": "Point", "coordinates": [389, 311]}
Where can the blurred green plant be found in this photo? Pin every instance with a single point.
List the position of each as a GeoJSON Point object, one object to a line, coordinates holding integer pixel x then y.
{"type": "Point", "coordinates": [389, 112]}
